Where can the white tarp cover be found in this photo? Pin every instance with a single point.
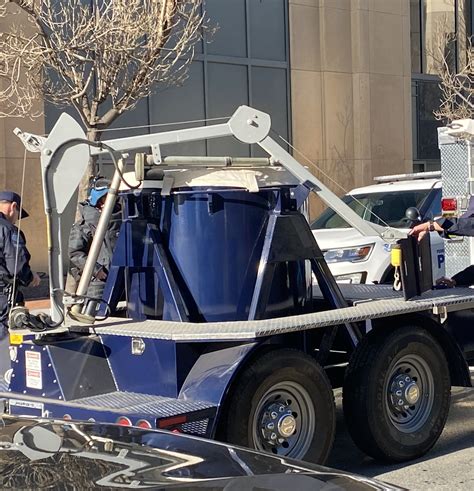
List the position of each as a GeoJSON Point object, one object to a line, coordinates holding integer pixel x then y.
{"type": "Point", "coordinates": [250, 179]}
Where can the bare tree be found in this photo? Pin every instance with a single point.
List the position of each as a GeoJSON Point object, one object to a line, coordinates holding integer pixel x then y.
{"type": "Point", "coordinates": [100, 56]}
{"type": "Point", "coordinates": [457, 86]}
{"type": "Point", "coordinates": [449, 54]}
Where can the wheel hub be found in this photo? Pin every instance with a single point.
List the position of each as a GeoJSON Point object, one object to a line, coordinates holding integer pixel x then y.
{"type": "Point", "coordinates": [277, 424]}
{"type": "Point", "coordinates": [404, 392]}
{"type": "Point", "coordinates": [287, 426]}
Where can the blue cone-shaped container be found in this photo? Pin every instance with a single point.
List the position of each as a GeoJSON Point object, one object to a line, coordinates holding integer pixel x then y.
{"type": "Point", "coordinates": [213, 243]}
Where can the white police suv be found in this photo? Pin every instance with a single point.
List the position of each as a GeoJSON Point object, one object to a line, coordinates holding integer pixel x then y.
{"type": "Point", "coordinates": [354, 258]}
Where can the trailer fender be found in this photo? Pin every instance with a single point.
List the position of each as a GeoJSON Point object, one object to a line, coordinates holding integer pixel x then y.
{"type": "Point", "coordinates": [458, 367]}
{"type": "Point", "coordinates": [211, 375]}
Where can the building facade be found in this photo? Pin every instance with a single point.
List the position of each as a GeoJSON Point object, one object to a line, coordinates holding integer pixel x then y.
{"type": "Point", "coordinates": [349, 83]}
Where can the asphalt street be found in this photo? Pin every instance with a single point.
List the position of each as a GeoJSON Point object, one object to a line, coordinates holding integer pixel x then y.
{"type": "Point", "coordinates": [448, 466]}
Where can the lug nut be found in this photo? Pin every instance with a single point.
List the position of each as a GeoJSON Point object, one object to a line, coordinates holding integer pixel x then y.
{"type": "Point", "coordinates": [273, 436]}
{"type": "Point", "coordinates": [399, 393]}
{"type": "Point", "coordinates": [281, 440]}
{"type": "Point", "coordinates": [401, 384]}
{"type": "Point", "coordinates": [400, 402]}
{"type": "Point", "coordinates": [407, 379]}
{"type": "Point", "coordinates": [281, 409]}
{"type": "Point", "coordinates": [270, 426]}
{"type": "Point", "coordinates": [274, 415]}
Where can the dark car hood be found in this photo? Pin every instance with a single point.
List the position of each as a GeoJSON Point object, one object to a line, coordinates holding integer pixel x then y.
{"type": "Point", "coordinates": [68, 455]}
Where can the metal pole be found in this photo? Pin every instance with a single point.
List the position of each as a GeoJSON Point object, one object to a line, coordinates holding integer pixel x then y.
{"type": "Point", "coordinates": [87, 314]}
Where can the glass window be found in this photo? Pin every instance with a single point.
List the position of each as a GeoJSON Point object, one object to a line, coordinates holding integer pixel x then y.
{"type": "Point", "coordinates": [269, 87]}
{"type": "Point", "coordinates": [434, 209]}
{"type": "Point", "coordinates": [223, 75]}
{"type": "Point", "coordinates": [228, 16]}
{"type": "Point", "coordinates": [439, 28]}
{"type": "Point", "coordinates": [227, 90]}
{"type": "Point", "coordinates": [267, 41]}
{"type": "Point", "coordinates": [428, 99]}
{"type": "Point", "coordinates": [463, 29]}
{"type": "Point", "coordinates": [181, 103]}
{"type": "Point", "coordinates": [381, 208]}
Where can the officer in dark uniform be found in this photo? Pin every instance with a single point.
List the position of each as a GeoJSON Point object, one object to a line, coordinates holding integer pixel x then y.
{"type": "Point", "coordinates": [462, 226]}
{"type": "Point", "coordinates": [14, 265]}
{"type": "Point", "coordinates": [80, 240]}
{"type": "Point", "coordinates": [459, 323]}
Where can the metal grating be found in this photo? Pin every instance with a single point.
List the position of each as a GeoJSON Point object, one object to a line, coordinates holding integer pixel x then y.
{"type": "Point", "coordinates": [363, 291]}
{"type": "Point", "coordinates": [132, 402]}
{"type": "Point", "coordinates": [196, 427]}
{"type": "Point", "coordinates": [458, 255]}
{"type": "Point", "coordinates": [455, 168]}
{"type": "Point", "coordinates": [385, 307]}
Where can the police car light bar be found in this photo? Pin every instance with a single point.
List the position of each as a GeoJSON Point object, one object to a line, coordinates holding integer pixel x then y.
{"type": "Point", "coordinates": [409, 177]}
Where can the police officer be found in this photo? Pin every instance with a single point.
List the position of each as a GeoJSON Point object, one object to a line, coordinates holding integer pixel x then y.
{"type": "Point", "coordinates": [80, 240]}
{"type": "Point", "coordinates": [14, 265]}
{"type": "Point", "coordinates": [462, 226]}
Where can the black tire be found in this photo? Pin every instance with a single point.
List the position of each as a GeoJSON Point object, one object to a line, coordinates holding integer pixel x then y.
{"type": "Point", "coordinates": [384, 424]}
{"type": "Point", "coordinates": [290, 390]}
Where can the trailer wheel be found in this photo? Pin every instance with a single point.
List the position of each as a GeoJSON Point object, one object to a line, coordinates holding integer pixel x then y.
{"type": "Point", "coordinates": [397, 393]}
{"type": "Point", "coordinates": [282, 403]}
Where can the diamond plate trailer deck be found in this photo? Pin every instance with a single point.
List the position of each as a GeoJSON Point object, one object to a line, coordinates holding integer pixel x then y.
{"type": "Point", "coordinates": [371, 302]}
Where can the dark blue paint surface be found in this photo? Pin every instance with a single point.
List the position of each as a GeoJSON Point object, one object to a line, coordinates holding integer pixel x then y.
{"type": "Point", "coordinates": [195, 255]}
{"type": "Point", "coordinates": [153, 372]}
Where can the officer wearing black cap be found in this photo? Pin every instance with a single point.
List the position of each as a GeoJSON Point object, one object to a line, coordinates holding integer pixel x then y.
{"type": "Point", "coordinates": [14, 256]}
{"type": "Point", "coordinates": [14, 265]}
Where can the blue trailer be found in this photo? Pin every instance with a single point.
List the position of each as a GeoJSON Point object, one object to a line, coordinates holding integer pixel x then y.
{"type": "Point", "coordinates": [211, 322]}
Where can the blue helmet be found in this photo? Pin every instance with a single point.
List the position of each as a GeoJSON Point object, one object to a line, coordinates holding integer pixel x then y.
{"type": "Point", "coordinates": [96, 194]}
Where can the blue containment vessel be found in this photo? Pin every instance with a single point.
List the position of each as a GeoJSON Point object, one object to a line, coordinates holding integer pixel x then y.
{"type": "Point", "coordinates": [200, 250]}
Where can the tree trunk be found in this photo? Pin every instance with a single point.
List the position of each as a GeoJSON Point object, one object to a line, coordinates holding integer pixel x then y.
{"type": "Point", "coordinates": [92, 168]}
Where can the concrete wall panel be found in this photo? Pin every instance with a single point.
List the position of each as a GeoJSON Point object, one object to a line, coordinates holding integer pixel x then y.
{"type": "Point", "coordinates": [307, 102]}
{"type": "Point", "coordinates": [365, 96]}
{"type": "Point", "coordinates": [387, 118]}
{"type": "Point", "coordinates": [338, 116]}
{"type": "Point", "coordinates": [387, 6]}
{"type": "Point", "coordinates": [336, 4]}
{"type": "Point", "coordinates": [386, 47]}
{"type": "Point", "coordinates": [336, 39]}
{"type": "Point", "coordinates": [304, 40]}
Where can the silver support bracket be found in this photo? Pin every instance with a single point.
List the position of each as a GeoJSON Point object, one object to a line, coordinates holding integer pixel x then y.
{"type": "Point", "coordinates": [156, 154]}
{"type": "Point", "coordinates": [443, 310]}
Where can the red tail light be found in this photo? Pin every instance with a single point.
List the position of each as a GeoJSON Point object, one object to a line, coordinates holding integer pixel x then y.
{"type": "Point", "coordinates": [172, 421]}
{"type": "Point", "coordinates": [123, 421]}
{"type": "Point", "coordinates": [143, 423]}
{"type": "Point", "coordinates": [449, 204]}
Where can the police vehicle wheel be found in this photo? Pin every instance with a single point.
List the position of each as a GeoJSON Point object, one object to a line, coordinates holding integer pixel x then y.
{"type": "Point", "coordinates": [282, 403]}
{"type": "Point", "coordinates": [396, 394]}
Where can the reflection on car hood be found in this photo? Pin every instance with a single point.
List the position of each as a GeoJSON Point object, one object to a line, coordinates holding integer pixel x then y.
{"type": "Point", "coordinates": [64, 454]}
{"type": "Point", "coordinates": [344, 237]}
{"type": "Point", "coordinates": [340, 237]}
